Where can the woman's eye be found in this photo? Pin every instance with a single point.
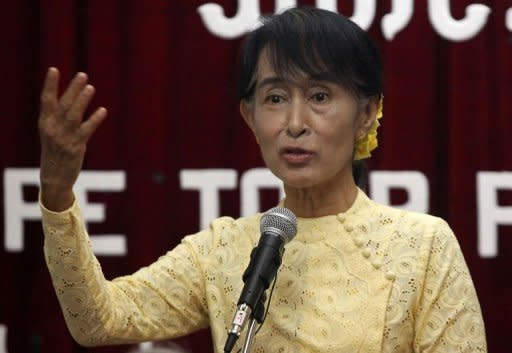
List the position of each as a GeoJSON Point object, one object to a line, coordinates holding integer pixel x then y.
{"type": "Point", "coordinates": [320, 97]}
{"type": "Point", "coordinates": [274, 99]}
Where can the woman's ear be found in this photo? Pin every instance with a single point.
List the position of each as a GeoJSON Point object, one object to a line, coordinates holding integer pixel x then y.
{"type": "Point", "coordinates": [246, 110]}
{"type": "Point", "coordinates": [367, 115]}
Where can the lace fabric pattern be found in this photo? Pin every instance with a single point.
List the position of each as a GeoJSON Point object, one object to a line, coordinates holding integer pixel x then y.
{"type": "Point", "coordinates": [372, 279]}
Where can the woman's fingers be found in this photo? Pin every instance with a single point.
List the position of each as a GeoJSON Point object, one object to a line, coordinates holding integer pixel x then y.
{"type": "Point", "coordinates": [73, 90]}
{"type": "Point", "coordinates": [49, 92]}
{"type": "Point", "coordinates": [67, 113]}
{"type": "Point", "coordinates": [90, 125]}
{"type": "Point", "coordinates": [76, 111]}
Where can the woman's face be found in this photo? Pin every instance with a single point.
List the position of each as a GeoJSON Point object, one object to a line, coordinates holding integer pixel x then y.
{"type": "Point", "coordinates": [306, 129]}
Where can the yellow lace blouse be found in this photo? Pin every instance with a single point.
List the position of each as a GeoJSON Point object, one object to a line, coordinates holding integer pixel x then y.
{"type": "Point", "coordinates": [372, 279]}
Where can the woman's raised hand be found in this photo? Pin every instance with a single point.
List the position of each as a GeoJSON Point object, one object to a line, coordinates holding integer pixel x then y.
{"type": "Point", "coordinates": [64, 135]}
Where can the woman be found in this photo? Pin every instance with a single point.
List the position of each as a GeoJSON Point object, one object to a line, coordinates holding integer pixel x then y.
{"type": "Point", "coordinates": [358, 277]}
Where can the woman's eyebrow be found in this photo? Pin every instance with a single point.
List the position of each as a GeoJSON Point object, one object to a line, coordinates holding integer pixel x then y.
{"type": "Point", "coordinates": [313, 79]}
{"type": "Point", "coordinates": [269, 81]}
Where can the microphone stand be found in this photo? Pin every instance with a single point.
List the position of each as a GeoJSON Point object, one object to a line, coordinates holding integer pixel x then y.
{"type": "Point", "coordinates": [257, 316]}
{"type": "Point", "coordinates": [249, 336]}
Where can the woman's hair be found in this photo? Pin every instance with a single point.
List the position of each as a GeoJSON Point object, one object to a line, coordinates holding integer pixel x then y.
{"type": "Point", "coordinates": [317, 43]}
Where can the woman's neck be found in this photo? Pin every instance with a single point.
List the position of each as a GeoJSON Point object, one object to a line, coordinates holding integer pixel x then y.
{"type": "Point", "coordinates": [322, 200]}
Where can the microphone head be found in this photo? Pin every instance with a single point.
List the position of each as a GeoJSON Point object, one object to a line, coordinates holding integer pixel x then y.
{"type": "Point", "coordinates": [281, 221]}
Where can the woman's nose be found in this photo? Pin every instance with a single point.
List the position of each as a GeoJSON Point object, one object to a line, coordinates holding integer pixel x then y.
{"type": "Point", "coordinates": [297, 120]}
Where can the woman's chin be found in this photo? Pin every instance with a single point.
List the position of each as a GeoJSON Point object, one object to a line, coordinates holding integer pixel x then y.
{"type": "Point", "coordinates": [299, 181]}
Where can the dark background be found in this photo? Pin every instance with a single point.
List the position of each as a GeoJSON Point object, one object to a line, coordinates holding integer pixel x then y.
{"type": "Point", "coordinates": [170, 88]}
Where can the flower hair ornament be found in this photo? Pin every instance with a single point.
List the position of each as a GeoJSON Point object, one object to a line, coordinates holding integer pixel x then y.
{"type": "Point", "coordinates": [369, 142]}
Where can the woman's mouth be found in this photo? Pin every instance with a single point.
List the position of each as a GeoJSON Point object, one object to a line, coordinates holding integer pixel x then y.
{"type": "Point", "coordinates": [295, 155]}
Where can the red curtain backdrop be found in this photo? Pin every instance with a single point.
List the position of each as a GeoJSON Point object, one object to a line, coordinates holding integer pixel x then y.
{"type": "Point", "coordinates": [170, 87]}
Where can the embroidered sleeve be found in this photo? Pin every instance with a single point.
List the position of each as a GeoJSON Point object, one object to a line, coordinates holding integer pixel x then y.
{"type": "Point", "coordinates": [448, 317]}
{"type": "Point", "coordinates": [161, 301]}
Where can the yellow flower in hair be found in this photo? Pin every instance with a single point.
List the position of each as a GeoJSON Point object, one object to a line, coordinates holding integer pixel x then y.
{"type": "Point", "coordinates": [369, 142]}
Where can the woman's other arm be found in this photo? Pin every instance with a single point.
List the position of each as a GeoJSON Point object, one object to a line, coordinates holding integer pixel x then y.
{"type": "Point", "coordinates": [98, 311]}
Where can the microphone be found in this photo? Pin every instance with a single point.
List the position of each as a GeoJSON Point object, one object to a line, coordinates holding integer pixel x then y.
{"type": "Point", "coordinates": [277, 227]}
